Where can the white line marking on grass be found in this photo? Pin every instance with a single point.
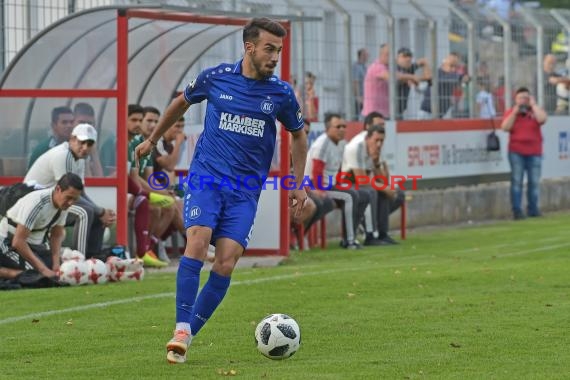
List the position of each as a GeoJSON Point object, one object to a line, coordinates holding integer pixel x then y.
{"type": "Point", "coordinates": [165, 295]}
{"type": "Point", "coordinates": [521, 242]}
{"type": "Point", "coordinates": [540, 249]}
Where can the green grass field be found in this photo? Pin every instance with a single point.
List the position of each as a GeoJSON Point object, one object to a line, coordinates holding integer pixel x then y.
{"type": "Point", "coordinates": [481, 302]}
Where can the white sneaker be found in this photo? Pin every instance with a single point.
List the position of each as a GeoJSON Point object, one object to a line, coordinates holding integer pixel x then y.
{"type": "Point", "coordinates": [177, 347]}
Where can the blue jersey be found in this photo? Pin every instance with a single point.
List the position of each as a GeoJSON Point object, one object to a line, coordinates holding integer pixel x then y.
{"type": "Point", "coordinates": [237, 144]}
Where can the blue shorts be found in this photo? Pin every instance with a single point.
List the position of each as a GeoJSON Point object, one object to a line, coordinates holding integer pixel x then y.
{"type": "Point", "coordinates": [229, 213]}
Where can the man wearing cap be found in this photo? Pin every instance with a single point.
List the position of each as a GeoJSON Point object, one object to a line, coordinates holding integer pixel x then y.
{"type": "Point", "coordinates": [406, 77]}
{"type": "Point", "coordinates": [90, 220]}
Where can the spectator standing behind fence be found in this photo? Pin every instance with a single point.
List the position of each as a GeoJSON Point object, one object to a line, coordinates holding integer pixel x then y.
{"type": "Point", "coordinates": [358, 75]}
{"type": "Point", "coordinates": [499, 96]}
{"type": "Point", "coordinates": [406, 70]}
{"type": "Point", "coordinates": [449, 80]}
{"type": "Point", "coordinates": [311, 101]}
{"type": "Point", "coordinates": [523, 122]}
{"type": "Point", "coordinates": [376, 84]}
{"type": "Point", "coordinates": [485, 106]}
{"type": "Point", "coordinates": [552, 79]}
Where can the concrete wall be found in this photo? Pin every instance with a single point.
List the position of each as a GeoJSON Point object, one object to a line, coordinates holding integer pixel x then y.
{"type": "Point", "coordinates": [463, 204]}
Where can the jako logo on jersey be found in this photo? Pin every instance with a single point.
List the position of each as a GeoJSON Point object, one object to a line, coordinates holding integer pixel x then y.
{"type": "Point", "coordinates": [267, 106]}
{"type": "Point", "coordinates": [227, 97]}
{"type": "Point", "coordinates": [241, 124]}
{"type": "Point", "coordinates": [195, 212]}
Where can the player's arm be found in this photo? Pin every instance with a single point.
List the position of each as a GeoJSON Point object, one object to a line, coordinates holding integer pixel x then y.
{"type": "Point", "coordinates": [299, 153]}
{"type": "Point", "coordinates": [57, 234]}
{"type": "Point", "coordinates": [299, 156]}
{"type": "Point", "coordinates": [20, 244]}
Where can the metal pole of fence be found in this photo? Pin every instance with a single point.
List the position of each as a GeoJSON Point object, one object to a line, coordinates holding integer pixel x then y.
{"type": "Point", "coordinates": [348, 101]}
{"type": "Point", "coordinates": [300, 47]}
{"type": "Point", "coordinates": [2, 37]}
{"type": "Point", "coordinates": [539, 54]}
{"type": "Point", "coordinates": [565, 24]}
{"type": "Point", "coordinates": [434, 91]}
{"type": "Point", "coordinates": [506, 58]}
{"type": "Point", "coordinates": [470, 55]}
{"type": "Point", "coordinates": [392, 65]}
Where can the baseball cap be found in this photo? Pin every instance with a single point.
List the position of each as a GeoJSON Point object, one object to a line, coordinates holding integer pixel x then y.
{"type": "Point", "coordinates": [405, 51]}
{"type": "Point", "coordinates": [84, 132]}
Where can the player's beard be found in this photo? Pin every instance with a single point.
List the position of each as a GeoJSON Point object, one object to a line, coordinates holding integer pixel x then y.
{"type": "Point", "coordinates": [261, 68]}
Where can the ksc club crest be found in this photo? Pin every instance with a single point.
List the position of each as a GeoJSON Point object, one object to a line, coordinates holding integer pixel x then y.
{"type": "Point", "coordinates": [267, 106]}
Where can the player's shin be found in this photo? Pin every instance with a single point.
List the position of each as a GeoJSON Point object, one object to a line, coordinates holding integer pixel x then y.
{"type": "Point", "coordinates": [208, 300]}
{"type": "Point", "coordinates": [187, 283]}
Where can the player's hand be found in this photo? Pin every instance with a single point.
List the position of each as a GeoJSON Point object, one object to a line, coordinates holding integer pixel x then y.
{"type": "Point", "coordinates": [143, 149]}
{"type": "Point", "coordinates": [297, 201]}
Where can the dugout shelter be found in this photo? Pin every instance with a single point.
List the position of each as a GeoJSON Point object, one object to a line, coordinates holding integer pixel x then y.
{"type": "Point", "coordinates": [110, 57]}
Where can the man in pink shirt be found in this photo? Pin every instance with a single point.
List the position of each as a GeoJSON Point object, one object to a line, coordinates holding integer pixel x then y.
{"type": "Point", "coordinates": [375, 97]}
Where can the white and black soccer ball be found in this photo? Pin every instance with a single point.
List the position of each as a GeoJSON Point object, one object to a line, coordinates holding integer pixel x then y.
{"type": "Point", "coordinates": [278, 336]}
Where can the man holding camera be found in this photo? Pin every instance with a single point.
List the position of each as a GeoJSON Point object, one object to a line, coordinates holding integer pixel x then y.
{"type": "Point", "coordinates": [523, 122]}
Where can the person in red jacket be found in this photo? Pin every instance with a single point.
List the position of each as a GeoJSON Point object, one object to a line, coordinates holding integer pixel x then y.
{"type": "Point", "coordinates": [523, 123]}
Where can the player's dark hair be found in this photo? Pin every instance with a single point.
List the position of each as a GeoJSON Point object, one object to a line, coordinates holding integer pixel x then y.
{"type": "Point", "coordinates": [135, 108]}
{"type": "Point", "coordinates": [522, 89]}
{"type": "Point", "coordinates": [370, 117]}
{"type": "Point", "coordinates": [59, 111]}
{"type": "Point", "coordinates": [375, 128]}
{"type": "Point", "coordinates": [252, 29]}
{"type": "Point", "coordinates": [70, 180]}
{"type": "Point", "coordinates": [329, 116]}
{"type": "Point", "coordinates": [83, 109]}
{"type": "Point", "coordinates": [150, 109]}
{"type": "Point", "coordinates": [360, 52]}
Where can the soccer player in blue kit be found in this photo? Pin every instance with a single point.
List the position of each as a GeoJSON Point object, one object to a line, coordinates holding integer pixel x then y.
{"type": "Point", "coordinates": [234, 152]}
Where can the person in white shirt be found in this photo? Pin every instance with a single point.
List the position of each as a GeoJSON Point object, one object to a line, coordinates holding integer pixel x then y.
{"type": "Point", "coordinates": [24, 231]}
{"type": "Point", "coordinates": [484, 100]}
{"type": "Point", "coordinates": [323, 163]}
{"type": "Point", "coordinates": [362, 158]}
{"type": "Point", "coordinates": [69, 157]}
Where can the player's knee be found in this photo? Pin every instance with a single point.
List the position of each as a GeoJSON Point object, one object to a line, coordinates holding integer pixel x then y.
{"type": "Point", "coordinates": [225, 265]}
{"type": "Point", "coordinates": [198, 242]}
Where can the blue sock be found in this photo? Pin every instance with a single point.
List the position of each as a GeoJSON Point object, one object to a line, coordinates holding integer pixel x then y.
{"type": "Point", "coordinates": [208, 300]}
{"type": "Point", "coordinates": [187, 283]}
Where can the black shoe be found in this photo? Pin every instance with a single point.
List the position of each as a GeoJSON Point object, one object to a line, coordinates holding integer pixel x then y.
{"type": "Point", "coordinates": [534, 214]}
{"type": "Point", "coordinates": [387, 240]}
{"type": "Point", "coordinates": [372, 241]}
